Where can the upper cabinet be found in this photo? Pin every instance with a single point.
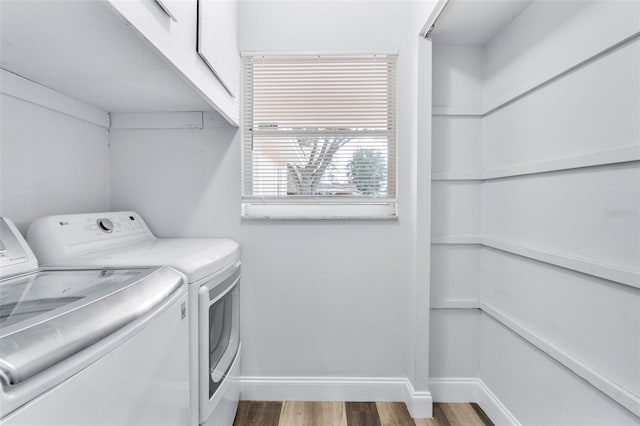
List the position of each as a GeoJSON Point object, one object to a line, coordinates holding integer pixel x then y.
{"type": "Point", "coordinates": [121, 55]}
{"type": "Point", "coordinates": [172, 27]}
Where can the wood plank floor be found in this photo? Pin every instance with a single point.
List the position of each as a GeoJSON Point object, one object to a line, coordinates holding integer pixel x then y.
{"type": "Point", "coordinates": [298, 413]}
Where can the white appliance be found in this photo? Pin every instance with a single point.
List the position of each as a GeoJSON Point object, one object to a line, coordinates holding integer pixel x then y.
{"type": "Point", "coordinates": [212, 267]}
{"type": "Point", "coordinates": [90, 346]}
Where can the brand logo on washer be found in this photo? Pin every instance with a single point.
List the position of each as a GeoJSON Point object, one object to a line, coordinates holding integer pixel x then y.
{"type": "Point", "coordinates": [183, 310]}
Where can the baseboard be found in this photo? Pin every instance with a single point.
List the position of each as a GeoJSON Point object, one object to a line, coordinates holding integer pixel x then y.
{"type": "Point", "coordinates": [494, 407]}
{"type": "Point", "coordinates": [471, 389]}
{"type": "Point", "coordinates": [418, 403]}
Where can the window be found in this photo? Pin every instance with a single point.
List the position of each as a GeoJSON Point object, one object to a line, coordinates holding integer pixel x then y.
{"type": "Point", "coordinates": [319, 137]}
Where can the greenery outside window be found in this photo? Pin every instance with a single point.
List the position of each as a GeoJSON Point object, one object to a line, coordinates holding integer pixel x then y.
{"type": "Point", "coordinates": [319, 137]}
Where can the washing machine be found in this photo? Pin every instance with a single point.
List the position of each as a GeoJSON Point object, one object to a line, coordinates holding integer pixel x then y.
{"type": "Point", "coordinates": [212, 268]}
{"type": "Point", "coordinates": [99, 346]}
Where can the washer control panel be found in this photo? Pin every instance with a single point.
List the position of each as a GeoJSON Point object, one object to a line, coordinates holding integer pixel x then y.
{"type": "Point", "coordinates": [54, 238]}
{"type": "Point", "coordinates": [16, 256]}
{"type": "Point", "coordinates": [11, 250]}
{"type": "Point", "coordinates": [103, 224]}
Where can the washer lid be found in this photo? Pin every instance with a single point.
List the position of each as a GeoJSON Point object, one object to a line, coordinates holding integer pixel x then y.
{"type": "Point", "coordinates": [45, 317]}
{"type": "Point", "coordinates": [197, 258]}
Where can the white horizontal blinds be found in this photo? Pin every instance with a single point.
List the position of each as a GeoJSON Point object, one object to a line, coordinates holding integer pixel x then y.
{"type": "Point", "coordinates": [319, 127]}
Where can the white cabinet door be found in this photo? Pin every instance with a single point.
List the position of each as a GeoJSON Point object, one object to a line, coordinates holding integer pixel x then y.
{"type": "Point", "coordinates": [217, 44]}
{"type": "Point", "coordinates": [171, 28]}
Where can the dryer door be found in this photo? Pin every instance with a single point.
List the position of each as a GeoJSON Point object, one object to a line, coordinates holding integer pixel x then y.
{"type": "Point", "coordinates": [219, 334]}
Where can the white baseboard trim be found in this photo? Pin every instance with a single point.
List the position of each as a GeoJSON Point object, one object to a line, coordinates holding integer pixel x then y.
{"type": "Point", "coordinates": [419, 403]}
{"type": "Point", "coordinates": [494, 408]}
{"type": "Point", "coordinates": [260, 388]}
{"type": "Point", "coordinates": [471, 389]}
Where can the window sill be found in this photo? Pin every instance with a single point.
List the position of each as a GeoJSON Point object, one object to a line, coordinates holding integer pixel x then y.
{"type": "Point", "coordinates": [385, 211]}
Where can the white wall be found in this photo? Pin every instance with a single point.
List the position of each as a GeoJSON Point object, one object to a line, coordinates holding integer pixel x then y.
{"type": "Point", "coordinates": [455, 342]}
{"type": "Point", "coordinates": [321, 299]}
{"type": "Point", "coordinates": [589, 325]}
{"type": "Point", "coordinates": [457, 144]}
{"type": "Point", "coordinates": [50, 162]}
{"type": "Point", "coordinates": [577, 98]}
{"type": "Point", "coordinates": [317, 296]}
{"type": "Point", "coordinates": [456, 205]}
{"type": "Point", "coordinates": [550, 38]}
{"type": "Point", "coordinates": [538, 390]}
{"type": "Point", "coordinates": [458, 73]}
{"type": "Point", "coordinates": [560, 194]}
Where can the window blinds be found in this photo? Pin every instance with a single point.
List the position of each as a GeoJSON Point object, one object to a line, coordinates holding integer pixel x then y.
{"type": "Point", "coordinates": [319, 129]}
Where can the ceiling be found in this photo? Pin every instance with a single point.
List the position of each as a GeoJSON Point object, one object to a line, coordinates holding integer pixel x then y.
{"type": "Point", "coordinates": [475, 22]}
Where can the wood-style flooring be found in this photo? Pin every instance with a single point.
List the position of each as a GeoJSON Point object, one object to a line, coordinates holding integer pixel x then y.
{"type": "Point", "coordinates": [297, 413]}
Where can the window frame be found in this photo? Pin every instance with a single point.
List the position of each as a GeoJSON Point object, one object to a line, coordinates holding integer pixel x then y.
{"type": "Point", "coordinates": [317, 207]}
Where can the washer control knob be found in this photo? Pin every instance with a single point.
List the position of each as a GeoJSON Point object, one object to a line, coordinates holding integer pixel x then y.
{"type": "Point", "coordinates": [105, 225]}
